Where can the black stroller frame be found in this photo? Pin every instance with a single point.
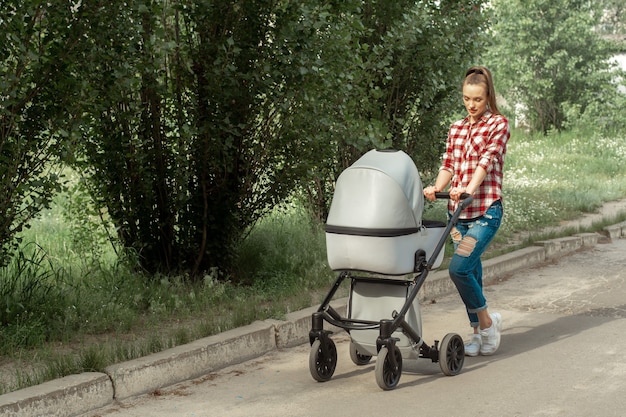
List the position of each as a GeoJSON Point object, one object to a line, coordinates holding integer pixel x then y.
{"type": "Point", "coordinates": [450, 353]}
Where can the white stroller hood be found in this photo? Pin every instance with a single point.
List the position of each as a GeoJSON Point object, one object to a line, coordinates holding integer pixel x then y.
{"type": "Point", "coordinates": [375, 219]}
{"type": "Point", "coordinates": [382, 191]}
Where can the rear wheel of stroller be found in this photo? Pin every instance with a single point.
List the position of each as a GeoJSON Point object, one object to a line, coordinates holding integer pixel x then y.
{"type": "Point", "coordinates": [388, 375]}
{"type": "Point", "coordinates": [358, 358]}
{"type": "Point", "coordinates": [451, 354]}
{"type": "Point", "coordinates": [323, 360]}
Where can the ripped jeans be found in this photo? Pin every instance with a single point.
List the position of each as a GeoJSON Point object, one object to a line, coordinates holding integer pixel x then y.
{"type": "Point", "coordinates": [470, 239]}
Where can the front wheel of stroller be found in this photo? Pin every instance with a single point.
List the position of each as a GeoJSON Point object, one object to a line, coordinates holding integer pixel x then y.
{"type": "Point", "coordinates": [451, 354]}
{"type": "Point", "coordinates": [323, 360]}
{"type": "Point", "coordinates": [388, 375]}
{"type": "Point", "coordinates": [357, 357]}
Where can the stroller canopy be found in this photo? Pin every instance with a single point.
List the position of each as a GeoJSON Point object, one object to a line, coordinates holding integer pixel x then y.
{"type": "Point", "coordinates": [382, 191]}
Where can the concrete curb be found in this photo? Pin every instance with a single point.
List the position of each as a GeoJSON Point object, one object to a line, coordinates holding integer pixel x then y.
{"type": "Point", "coordinates": [68, 396]}
{"type": "Point", "coordinates": [148, 374]}
{"type": "Point", "coordinates": [615, 231]}
{"type": "Point", "coordinates": [79, 394]}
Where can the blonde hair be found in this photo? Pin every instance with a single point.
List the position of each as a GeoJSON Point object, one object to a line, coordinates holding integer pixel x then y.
{"type": "Point", "coordinates": [481, 75]}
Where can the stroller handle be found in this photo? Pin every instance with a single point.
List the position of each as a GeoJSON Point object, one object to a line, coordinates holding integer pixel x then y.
{"type": "Point", "coordinates": [466, 199]}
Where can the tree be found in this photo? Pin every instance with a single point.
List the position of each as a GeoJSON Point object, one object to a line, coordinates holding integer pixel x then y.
{"type": "Point", "coordinates": [428, 47]}
{"type": "Point", "coordinates": [405, 74]}
{"type": "Point", "coordinates": [210, 113]}
{"type": "Point", "coordinates": [186, 110]}
{"type": "Point", "coordinates": [197, 118]}
{"type": "Point", "coordinates": [549, 58]}
{"type": "Point", "coordinates": [37, 98]}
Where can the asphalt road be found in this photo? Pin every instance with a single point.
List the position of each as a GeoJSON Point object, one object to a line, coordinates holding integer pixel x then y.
{"type": "Point", "coordinates": [561, 355]}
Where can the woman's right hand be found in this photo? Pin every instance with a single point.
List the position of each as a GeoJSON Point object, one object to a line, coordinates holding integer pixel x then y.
{"type": "Point", "coordinates": [429, 193]}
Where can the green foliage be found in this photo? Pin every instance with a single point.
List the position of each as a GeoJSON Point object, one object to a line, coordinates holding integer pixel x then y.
{"type": "Point", "coordinates": [613, 19]}
{"type": "Point", "coordinates": [548, 57]}
{"type": "Point", "coordinates": [208, 114]}
{"type": "Point", "coordinates": [89, 231]}
{"type": "Point", "coordinates": [426, 48]}
{"type": "Point", "coordinates": [283, 254]}
{"type": "Point", "coordinates": [28, 300]}
{"type": "Point", "coordinates": [606, 117]}
{"type": "Point", "coordinates": [196, 119]}
{"type": "Point", "coordinates": [395, 86]}
{"type": "Point", "coordinates": [185, 144]}
{"type": "Point", "coordinates": [37, 95]}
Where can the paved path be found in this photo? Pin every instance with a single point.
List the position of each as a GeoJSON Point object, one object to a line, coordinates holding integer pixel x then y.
{"type": "Point", "coordinates": [561, 355]}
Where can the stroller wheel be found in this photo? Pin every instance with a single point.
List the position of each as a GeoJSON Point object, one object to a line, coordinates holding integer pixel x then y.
{"type": "Point", "coordinates": [388, 375]}
{"type": "Point", "coordinates": [451, 354]}
{"type": "Point", "coordinates": [323, 359]}
{"type": "Point", "coordinates": [358, 358]}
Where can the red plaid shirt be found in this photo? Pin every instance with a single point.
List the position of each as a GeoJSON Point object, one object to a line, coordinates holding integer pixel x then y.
{"type": "Point", "coordinates": [470, 146]}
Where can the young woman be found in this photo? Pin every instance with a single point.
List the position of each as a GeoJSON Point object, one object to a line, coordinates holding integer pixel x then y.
{"type": "Point", "coordinates": [473, 163]}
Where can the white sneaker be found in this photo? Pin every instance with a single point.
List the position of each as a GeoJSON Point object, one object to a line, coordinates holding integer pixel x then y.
{"type": "Point", "coordinates": [472, 348]}
{"type": "Point", "coordinates": [491, 336]}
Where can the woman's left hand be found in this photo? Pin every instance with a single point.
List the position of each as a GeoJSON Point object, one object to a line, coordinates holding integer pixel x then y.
{"type": "Point", "coordinates": [456, 192]}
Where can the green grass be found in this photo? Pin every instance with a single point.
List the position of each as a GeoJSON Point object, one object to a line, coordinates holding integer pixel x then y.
{"type": "Point", "coordinates": [65, 313]}
{"type": "Point", "coordinates": [559, 177]}
{"type": "Point", "coordinates": [68, 304]}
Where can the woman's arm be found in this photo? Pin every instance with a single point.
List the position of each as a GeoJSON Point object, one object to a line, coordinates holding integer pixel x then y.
{"type": "Point", "coordinates": [443, 179]}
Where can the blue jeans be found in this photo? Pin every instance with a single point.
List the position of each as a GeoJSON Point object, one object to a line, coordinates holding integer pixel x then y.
{"type": "Point", "coordinates": [470, 239]}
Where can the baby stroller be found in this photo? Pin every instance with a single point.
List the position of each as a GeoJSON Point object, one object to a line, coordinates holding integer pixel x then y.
{"type": "Point", "coordinates": [375, 229]}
